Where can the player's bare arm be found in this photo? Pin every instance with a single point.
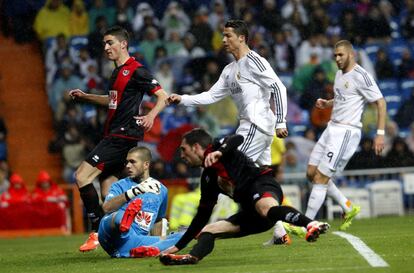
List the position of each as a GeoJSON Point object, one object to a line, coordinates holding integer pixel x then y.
{"type": "Point", "coordinates": [323, 104]}
{"type": "Point", "coordinates": [77, 94]}
{"type": "Point", "coordinates": [173, 99]}
{"type": "Point", "coordinates": [147, 121]}
{"type": "Point", "coordinates": [379, 138]}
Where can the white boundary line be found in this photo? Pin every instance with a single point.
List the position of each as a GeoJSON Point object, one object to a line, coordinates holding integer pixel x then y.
{"type": "Point", "coordinates": [372, 258]}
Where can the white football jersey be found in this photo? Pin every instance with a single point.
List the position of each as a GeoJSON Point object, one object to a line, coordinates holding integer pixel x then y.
{"type": "Point", "coordinates": [352, 91]}
{"type": "Point", "coordinates": [250, 81]}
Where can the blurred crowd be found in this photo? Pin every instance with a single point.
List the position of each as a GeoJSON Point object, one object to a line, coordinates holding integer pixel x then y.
{"type": "Point", "coordinates": [180, 42]}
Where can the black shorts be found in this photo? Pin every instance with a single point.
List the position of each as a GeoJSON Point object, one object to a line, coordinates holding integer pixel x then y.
{"type": "Point", "coordinates": [249, 220]}
{"type": "Point", "coordinates": [110, 154]}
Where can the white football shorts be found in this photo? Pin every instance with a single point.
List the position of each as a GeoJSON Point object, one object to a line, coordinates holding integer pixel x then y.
{"type": "Point", "coordinates": [335, 147]}
{"type": "Point", "coordinates": [256, 144]}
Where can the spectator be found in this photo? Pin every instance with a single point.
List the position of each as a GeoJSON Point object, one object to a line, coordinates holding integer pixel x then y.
{"type": "Point", "coordinates": [374, 27]}
{"type": "Point", "coordinates": [47, 190]}
{"type": "Point", "coordinates": [383, 66]}
{"type": "Point", "coordinates": [144, 10]}
{"type": "Point", "coordinates": [4, 182]}
{"type": "Point", "coordinates": [148, 45]}
{"type": "Point", "coordinates": [284, 53]}
{"type": "Point", "coordinates": [153, 136]}
{"type": "Point", "coordinates": [53, 11]}
{"type": "Point", "coordinates": [83, 62]}
{"type": "Point", "coordinates": [79, 19]}
{"type": "Point", "coordinates": [406, 67]}
{"type": "Point", "coordinates": [365, 158]}
{"type": "Point", "coordinates": [202, 30]}
{"type": "Point", "coordinates": [97, 10]}
{"type": "Point", "coordinates": [404, 116]}
{"type": "Point", "coordinates": [369, 120]}
{"type": "Point", "coordinates": [124, 15]}
{"type": "Point", "coordinates": [391, 132]}
{"type": "Point", "coordinates": [270, 16]}
{"type": "Point", "coordinates": [203, 119]}
{"type": "Point", "coordinates": [16, 193]}
{"type": "Point", "coordinates": [56, 54]}
{"type": "Point", "coordinates": [165, 76]}
{"type": "Point", "coordinates": [173, 43]}
{"type": "Point", "coordinates": [218, 14]}
{"type": "Point", "coordinates": [159, 170]}
{"type": "Point", "coordinates": [95, 38]}
{"type": "Point", "coordinates": [190, 49]}
{"type": "Point", "coordinates": [175, 19]}
{"type": "Point", "coordinates": [73, 152]}
{"type": "Point", "coordinates": [399, 155]}
{"type": "Point", "coordinates": [65, 82]}
{"type": "Point", "coordinates": [277, 150]}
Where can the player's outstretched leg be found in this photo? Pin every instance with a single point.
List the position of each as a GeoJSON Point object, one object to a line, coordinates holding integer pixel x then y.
{"type": "Point", "coordinates": [131, 211]}
{"type": "Point", "coordinates": [349, 216]}
{"type": "Point", "coordinates": [174, 259]}
{"type": "Point", "coordinates": [314, 229]}
{"type": "Point", "coordinates": [144, 251]}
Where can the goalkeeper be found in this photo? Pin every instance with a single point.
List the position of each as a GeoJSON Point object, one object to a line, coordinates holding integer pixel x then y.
{"type": "Point", "coordinates": [134, 224]}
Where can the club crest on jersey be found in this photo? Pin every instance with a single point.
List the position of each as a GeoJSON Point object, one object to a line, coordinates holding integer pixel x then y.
{"type": "Point", "coordinates": [125, 72]}
{"type": "Point", "coordinates": [238, 75]}
{"type": "Point", "coordinates": [346, 85]}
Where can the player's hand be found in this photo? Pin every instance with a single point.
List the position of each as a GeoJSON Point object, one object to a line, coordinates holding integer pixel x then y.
{"type": "Point", "coordinates": [282, 132]}
{"type": "Point", "coordinates": [378, 144]}
{"type": "Point", "coordinates": [322, 103]}
{"type": "Point", "coordinates": [148, 185]}
{"type": "Point", "coordinates": [77, 94]}
{"type": "Point", "coordinates": [145, 121]}
{"type": "Point", "coordinates": [170, 250]}
{"type": "Point", "coordinates": [173, 99]}
{"type": "Point", "coordinates": [212, 158]}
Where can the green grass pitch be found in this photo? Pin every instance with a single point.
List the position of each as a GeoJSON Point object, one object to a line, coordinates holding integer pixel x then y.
{"type": "Point", "coordinates": [392, 238]}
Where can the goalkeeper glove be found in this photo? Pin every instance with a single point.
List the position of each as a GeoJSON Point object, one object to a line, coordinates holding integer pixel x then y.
{"type": "Point", "coordinates": [148, 185]}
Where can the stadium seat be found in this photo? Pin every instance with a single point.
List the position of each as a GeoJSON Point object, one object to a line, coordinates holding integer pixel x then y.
{"type": "Point", "coordinates": [386, 198]}
{"type": "Point", "coordinates": [392, 95]}
{"type": "Point", "coordinates": [407, 85]}
{"type": "Point", "coordinates": [371, 50]}
{"type": "Point", "coordinates": [357, 196]}
{"type": "Point", "coordinates": [395, 50]}
{"type": "Point", "coordinates": [293, 193]}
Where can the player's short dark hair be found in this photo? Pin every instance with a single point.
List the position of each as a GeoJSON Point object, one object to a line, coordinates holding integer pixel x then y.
{"type": "Point", "coordinates": [144, 153]}
{"type": "Point", "coordinates": [198, 135]}
{"type": "Point", "coordinates": [119, 32]}
{"type": "Point", "coordinates": [240, 28]}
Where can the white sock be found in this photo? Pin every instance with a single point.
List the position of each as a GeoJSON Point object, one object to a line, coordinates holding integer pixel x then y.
{"type": "Point", "coordinates": [338, 196]}
{"type": "Point", "coordinates": [316, 199]}
{"type": "Point", "coordinates": [279, 231]}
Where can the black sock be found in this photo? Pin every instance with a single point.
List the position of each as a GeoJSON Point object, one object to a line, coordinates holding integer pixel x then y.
{"type": "Point", "coordinates": [90, 199]}
{"type": "Point", "coordinates": [204, 245]}
{"type": "Point", "coordinates": [289, 215]}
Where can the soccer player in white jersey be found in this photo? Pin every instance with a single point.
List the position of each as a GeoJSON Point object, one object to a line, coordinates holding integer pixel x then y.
{"type": "Point", "coordinates": [256, 90]}
{"type": "Point", "coordinates": [353, 88]}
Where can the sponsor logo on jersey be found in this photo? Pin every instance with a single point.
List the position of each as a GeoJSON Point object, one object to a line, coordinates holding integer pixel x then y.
{"type": "Point", "coordinates": [235, 88]}
{"type": "Point", "coordinates": [338, 95]}
{"type": "Point", "coordinates": [144, 219]}
{"type": "Point", "coordinates": [125, 72]}
{"type": "Point", "coordinates": [113, 99]}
